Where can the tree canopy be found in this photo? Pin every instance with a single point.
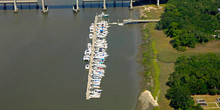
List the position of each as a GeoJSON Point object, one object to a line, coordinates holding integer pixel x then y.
{"type": "Point", "coordinates": [190, 22]}
{"type": "Point", "coordinates": [193, 75]}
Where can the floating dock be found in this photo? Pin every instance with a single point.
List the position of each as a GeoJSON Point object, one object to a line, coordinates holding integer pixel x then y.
{"type": "Point", "coordinates": [91, 59]}
{"type": "Point", "coordinates": [96, 53]}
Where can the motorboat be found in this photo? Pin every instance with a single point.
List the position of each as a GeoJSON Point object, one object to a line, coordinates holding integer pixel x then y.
{"type": "Point", "coordinates": [90, 36]}
{"type": "Point", "coordinates": [100, 65]}
{"type": "Point", "coordinates": [91, 28]}
{"type": "Point", "coordinates": [87, 52]}
{"type": "Point", "coordinates": [96, 87]}
{"type": "Point", "coordinates": [86, 58]}
{"type": "Point", "coordinates": [87, 66]}
{"type": "Point", "coordinates": [95, 96]}
{"type": "Point", "coordinates": [98, 90]}
{"type": "Point", "coordinates": [95, 82]}
{"type": "Point", "coordinates": [103, 15]}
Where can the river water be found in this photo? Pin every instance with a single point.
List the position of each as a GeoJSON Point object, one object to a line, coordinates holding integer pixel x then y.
{"type": "Point", "coordinates": [41, 66]}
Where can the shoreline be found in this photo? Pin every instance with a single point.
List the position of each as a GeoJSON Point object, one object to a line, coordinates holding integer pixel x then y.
{"type": "Point", "coordinates": [149, 82]}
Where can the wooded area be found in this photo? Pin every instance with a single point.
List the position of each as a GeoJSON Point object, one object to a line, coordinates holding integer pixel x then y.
{"type": "Point", "coordinates": [193, 75]}
{"type": "Point", "coordinates": [189, 22]}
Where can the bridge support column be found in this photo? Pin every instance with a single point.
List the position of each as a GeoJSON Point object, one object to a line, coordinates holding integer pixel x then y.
{"type": "Point", "coordinates": [44, 9]}
{"type": "Point", "coordinates": [15, 6]}
{"type": "Point", "coordinates": [158, 2]}
{"type": "Point", "coordinates": [104, 5]}
{"type": "Point", "coordinates": [77, 5]}
{"type": "Point", "coordinates": [131, 5]}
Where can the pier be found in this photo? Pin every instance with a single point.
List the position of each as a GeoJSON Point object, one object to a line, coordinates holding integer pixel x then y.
{"type": "Point", "coordinates": [131, 21]}
{"type": "Point", "coordinates": [91, 59]}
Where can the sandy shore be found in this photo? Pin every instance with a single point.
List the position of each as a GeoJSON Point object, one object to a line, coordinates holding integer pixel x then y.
{"type": "Point", "coordinates": [146, 101]}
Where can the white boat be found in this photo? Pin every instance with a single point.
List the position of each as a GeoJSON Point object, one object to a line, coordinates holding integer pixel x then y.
{"type": "Point", "coordinates": [91, 29]}
{"type": "Point", "coordinates": [98, 90]}
{"type": "Point", "coordinates": [100, 65]}
{"type": "Point", "coordinates": [101, 57]}
{"type": "Point", "coordinates": [96, 87]}
{"type": "Point", "coordinates": [89, 44]}
{"type": "Point", "coordinates": [96, 80]}
{"type": "Point", "coordinates": [103, 15]}
{"type": "Point", "coordinates": [87, 52]}
{"type": "Point", "coordinates": [87, 66]}
{"type": "Point", "coordinates": [101, 70]}
{"type": "Point", "coordinates": [96, 83]}
{"type": "Point", "coordinates": [86, 58]}
{"type": "Point", "coordinates": [121, 24]}
{"type": "Point", "coordinates": [90, 36]}
{"type": "Point", "coordinates": [97, 76]}
{"type": "Point", "coordinates": [98, 73]}
{"type": "Point", "coordinates": [95, 96]}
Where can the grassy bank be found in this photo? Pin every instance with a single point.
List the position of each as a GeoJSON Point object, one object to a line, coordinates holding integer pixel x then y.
{"type": "Point", "coordinates": [159, 57]}
{"type": "Point", "coordinates": [149, 61]}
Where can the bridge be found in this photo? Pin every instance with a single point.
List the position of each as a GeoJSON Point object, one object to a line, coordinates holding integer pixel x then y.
{"type": "Point", "coordinates": [15, 2]}
{"type": "Point", "coordinates": [130, 21]}
{"type": "Point", "coordinates": [18, 1]}
{"type": "Point", "coordinates": [45, 8]}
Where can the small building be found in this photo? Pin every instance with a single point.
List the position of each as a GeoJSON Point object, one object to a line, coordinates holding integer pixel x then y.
{"type": "Point", "coordinates": [218, 10]}
{"type": "Point", "coordinates": [218, 100]}
{"type": "Point", "coordinates": [202, 102]}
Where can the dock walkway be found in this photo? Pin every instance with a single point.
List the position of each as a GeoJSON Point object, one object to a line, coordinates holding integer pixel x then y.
{"type": "Point", "coordinates": [130, 21]}
{"type": "Point", "coordinates": [91, 59]}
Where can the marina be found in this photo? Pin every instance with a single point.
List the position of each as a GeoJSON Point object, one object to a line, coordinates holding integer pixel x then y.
{"type": "Point", "coordinates": [96, 54]}
{"type": "Point", "coordinates": [45, 63]}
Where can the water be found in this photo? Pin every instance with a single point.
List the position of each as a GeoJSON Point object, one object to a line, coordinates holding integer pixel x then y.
{"type": "Point", "coordinates": [41, 65]}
